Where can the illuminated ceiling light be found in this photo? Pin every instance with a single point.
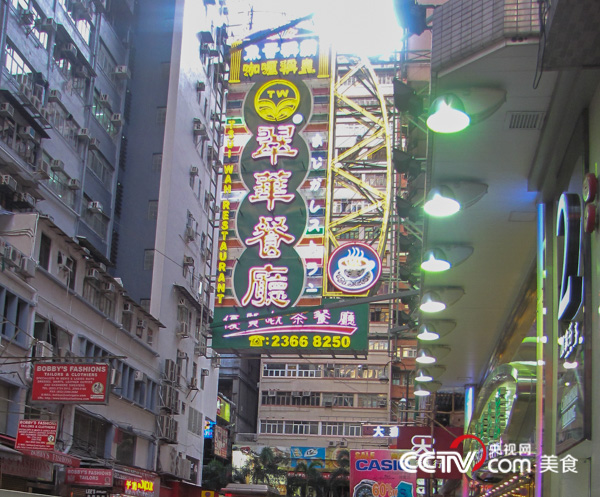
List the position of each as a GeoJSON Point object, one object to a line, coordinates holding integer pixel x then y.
{"type": "Point", "coordinates": [449, 198]}
{"type": "Point", "coordinates": [422, 391]}
{"type": "Point", "coordinates": [427, 333]}
{"type": "Point", "coordinates": [431, 303]}
{"type": "Point", "coordinates": [453, 111]}
{"type": "Point", "coordinates": [437, 299]}
{"type": "Point", "coordinates": [423, 376]}
{"type": "Point", "coordinates": [424, 356]}
{"type": "Point", "coordinates": [447, 115]}
{"type": "Point", "coordinates": [440, 204]}
{"type": "Point", "coordinates": [570, 365]}
{"type": "Point", "coordinates": [443, 257]}
{"type": "Point", "coordinates": [435, 261]}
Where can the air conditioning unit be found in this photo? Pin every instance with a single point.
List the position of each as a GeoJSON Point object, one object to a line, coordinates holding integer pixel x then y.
{"type": "Point", "coordinates": [296, 394]}
{"type": "Point", "coordinates": [26, 16]}
{"type": "Point", "coordinates": [37, 103]}
{"type": "Point", "coordinates": [188, 260]}
{"type": "Point", "coordinates": [306, 393]}
{"type": "Point", "coordinates": [69, 51]}
{"type": "Point", "coordinates": [7, 110]}
{"type": "Point", "coordinates": [94, 144]}
{"type": "Point", "coordinates": [83, 134]}
{"type": "Point", "coordinates": [185, 468]}
{"type": "Point", "coordinates": [54, 96]}
{"type": "Point", "coordinates": [194, 384]}
{"type": "Point", "coordinates": [104, 99]}
{"type": "Point", "coordinates": [117, 119]}
{"type": "Point", "coordinates": [139, 376]}
{"type": "Point", "coordinates": [44, 114]}
{"type": "Point", "coordinates": [181, 354]}
{"type": "Point", "coordinates": [27, 132]}
{"type": "Point", "coordinates": [332, 443]}
{"type": "Point", "coordinates": [128, 308]}
{"type": "Point", "coordinates": [43, 169]}
{"type": "Point", "coordinates": [57, 165]}
{"type": "Point", "coordinates": [108, 287]}
{"type": "Point", "coordinates": [183, 330]}
{"type": "Point", "coordinates": [200, 349]}
{"type": "Point", "coordinates": [26, 91]}
{"type": "Point", "coordinates": [200, 86]}
{"type": "Point", "coordinates": [199, 128]}
{"type": "Point", "coordinates": [74, 184]}
{"type": "Point", "coordinates": [12, 256]}
{"type": "Point", "coordinates": [194, 171]}
{"type": "Point", "coordinates": [141, 323]}
{"type": "Point", "coordinates": [28, 267]}
{"type": "Point", "coordinates": [328, 403]}
{"type": "Point", "coordinates": [190, 234]}
{"type": "Point", "coordinates": [115, 377]}
{"type": "Point", "coordinates": [122, 72]}
{"type": "Point", "coordinates": [272, 393]}
{"type": "Point", "coordinates": [7, 182]}
{"type": "Point", "coordinates": [95, 206]}
{"type": "Point", "coordinates": [343, 443]}
{"type": "Point", "coordinates": [23, 199]}
{"type": "Point", "coordinates": [92, 274]}
{"type": "Point", "coordinates": [382, 403]}
{"type": "Point", "coordinates": [44, 349]}
{"type": "Point", "coordinates": [47, 25]}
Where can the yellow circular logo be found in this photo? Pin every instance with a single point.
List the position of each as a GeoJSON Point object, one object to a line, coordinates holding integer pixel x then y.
{"type": "Point", "coordinates": [276, 100]}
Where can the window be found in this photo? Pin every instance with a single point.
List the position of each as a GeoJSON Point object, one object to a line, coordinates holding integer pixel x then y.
{"type": "Point", "coordinates": [101, 300]}
{"type": "Point", "coordinates": [97, 221]}
{"type": "Point", "coordinates": [145, 304]}
{"type": "Point", "coordinates": [271, 426]}
{"type": "Point", "coordinates": [156, 162]}
{"type": "Point", "coordinates": [59, 184]}
{"type": "Point", "coordinates": [125, 442]}
{"type": "Point", "coordinates": [161, 115]}
{"type": "Point", "coordinates": [101, 168]}
{"type": "Point", "coordinates": [15, 312]}
{"type": "Point", "coordinates": [83, 26]}
{"type": "Point", "coordinates": [195, 422]}
{"type": "Point", "coordinates": [106, 61]}
{"type": "Point", "coordinates": [371, 400]}
{"type": "Point", "coordinates": [25, 5]}
{"type": "Point", "coordinates": [378, 344]}
{"type": "Point", "coordinates": [44, 257]}
{"type": "Point", "coordinates": [338, 399]}
{"type": "Point", "coordinates": [103, 114]}
{"type": "Point", "coordinates": [63, 123]}
{"type": "Point", "coordinates": [353, 234]}
{"type": "Point", "coordinates": [152, 209]}
{"type": "Point", "coordinates": [409, 352]}
{"type": "Point", "coordinates": [47, 331]}
{"type": "Point", "coordinates": [148, 259]}
{"type": "Point", "coordinates": [89, 436]}
{"type": "Point", "coordinates": [302, 427]}
{"type": "Point", "coordinates": [15, 63]}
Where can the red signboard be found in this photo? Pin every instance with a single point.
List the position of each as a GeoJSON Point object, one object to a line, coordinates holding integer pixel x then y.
{"type": "Point", "coordinates": [36, 434]}
{"type": "Point", "coordinates": [32, 469]}
{"type": "Point", "coordinates": [81, 383]}
{"type": "Point", "coordinates": [421, 439]}
{"type": "Point", "coordinates": [90, 477]}
{"type": "Point", "coordinates": [53, 457]}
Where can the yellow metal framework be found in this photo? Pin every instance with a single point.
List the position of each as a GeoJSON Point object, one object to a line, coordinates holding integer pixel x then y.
{"type": "Point", "coordinates": [358, 107]}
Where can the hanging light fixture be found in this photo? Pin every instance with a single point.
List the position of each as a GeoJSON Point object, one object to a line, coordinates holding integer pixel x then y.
{"type": "Point", "coordinates": [447, 114]}
{"type": "Point", "coordinates": [421, 390]}
{"type": "Point", "coordinates": [431, 302]}
{"type": "Point", "coordinates": [441, 203]}
{"type": "Point", "coordinates": [424, 356]}
{"type": "Point", "coordinates": [435, 261]}
{"type": "Point", "coordinates": [427, 333]}
{"type": "Point", "coordinates": [423, 375]}
{"type": "Point", "coordinates": [449, 198]}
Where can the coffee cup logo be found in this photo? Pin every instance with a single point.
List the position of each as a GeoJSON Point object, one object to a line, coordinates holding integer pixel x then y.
{"type": "Point", "coordinates": [354, 268]}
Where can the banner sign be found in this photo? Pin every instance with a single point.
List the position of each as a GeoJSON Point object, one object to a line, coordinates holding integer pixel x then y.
{"type": "Point", "coordinates": [283, 55]}
{"type": "Point", "coordinates": [53, 457]}
{"type": "Point", "coordinates": [269, 280]}
{"type": "Point", "coordinates": [92, 477]}
{"type": "Point", "coordinates": [308, 455]}
{"type": "Point", "coordinates": [221, 440]}
{"type": "Point", "coordinates": [376, 473]}
{"type": "Point", "coordinates": [66, 383]}
{"type": "Point", "coordinates": [30, 468]}
{"type": "Point", "coordinates": [36, 434]}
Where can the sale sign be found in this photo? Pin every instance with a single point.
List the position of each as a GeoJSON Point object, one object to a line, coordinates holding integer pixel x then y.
{"type": "Point", "coordinates": [36, 434]}
{"type": "Point", "coordinates": [81, 383]}
{"type": "Point", "coordinates": [378, 473]}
